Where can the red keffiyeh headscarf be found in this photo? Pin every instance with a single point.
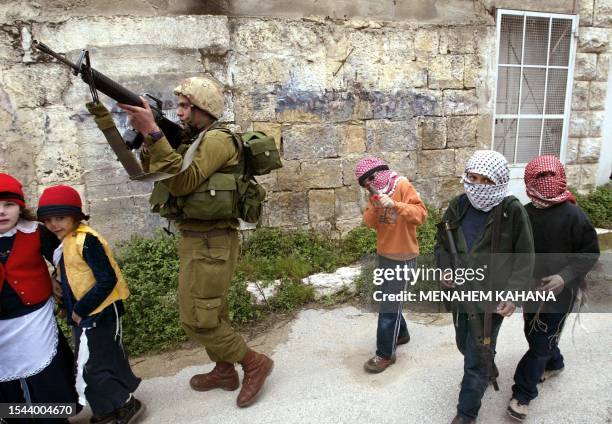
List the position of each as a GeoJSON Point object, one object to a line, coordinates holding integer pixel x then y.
{"type": "Point", "coordinates": [545, 182]}
{"type": "Point", "coordinates": [384, 180]}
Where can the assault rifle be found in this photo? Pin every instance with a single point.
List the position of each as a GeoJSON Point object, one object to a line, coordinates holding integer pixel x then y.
{"type": "Point", "coordinates": [98, 81]}
{"type": "Point", "coordinates": [480, 330]}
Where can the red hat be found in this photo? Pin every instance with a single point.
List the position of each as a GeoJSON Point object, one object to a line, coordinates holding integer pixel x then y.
{"type": "Point", "coordinates": [60, 200]}
{"type": "Point", "coordinates": [10, 190]}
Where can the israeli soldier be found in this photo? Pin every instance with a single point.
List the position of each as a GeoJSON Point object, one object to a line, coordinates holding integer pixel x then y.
{"type": "Point", "coordinates": [208, 248]}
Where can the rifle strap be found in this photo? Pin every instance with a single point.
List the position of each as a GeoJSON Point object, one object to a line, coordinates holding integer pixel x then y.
{"type": "Point", "coordinates": [105, 122]}
{"type": "Point", "coordinates": [495, 237]}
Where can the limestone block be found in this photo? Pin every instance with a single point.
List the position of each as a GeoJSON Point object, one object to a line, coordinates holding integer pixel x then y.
{"type": "Point", "coordinates": [255, 35]}
{"type": "Point", "coordinates": [426, 41]}
{"type": "Point", "coordinates": [458, 40]}
{"type": "Point", "coordinates": [270, 128]}
{"type": "Point", "coordinates": [603, 66]}
{"type": "Point", "coordinates": [586, 67]}
{"type": "Point", "coordinates": [461, 159]}
{"type": "Point", "coordinates": [321, 205]}
{"type": "Point", "coordinates": [588, 176]}
{"type": "Point", "coordinates": [255, 106]}
{"type": "Point", "coordinates": [427, 189]}
{"type": "Point", "coordinates": [398, 47]}
{"type": "Point", "coordinates": [462, 131]}
{"type": "Point", "coordinates": [395, 76]}
{"type": "Point", "coordinates": [597, 95]}
{"type": "Point", "coordinates": [349, 163]}
{"type": "Point", "coordinates": [347, 204]}
{"type": "Point", "coordinates": [446, 71]}
{"type": "Point", "coordinates": [580, 95]}
{"type": "Point", "coordinates": [110, 216]}
{"type": "Point", "coordinates": [460, 102]}
{"type": "Point", "coordinates": [472, 71]}
{"type": "Point", "coordinates": [589, 150]}
{"type": "Point", "coordinates": [436, 163]}
{"type": "Point", "coordinates": [352, 138]}
{"type": "Point", "coordinates": [326, 173]}
{"type": "Point", "coordinates": [384, 135]}
{"type": "Point", "coordinates": [432, 132]}
{"type": "Point", "coordinates": [269, 182]}
{"type": "Point", "coordinates": [287, 209]}
{"type": "Point", "coordinates": [346, 225]}
{"type": "Point", "coordinates": [579, 124]}
{"type": "Point", "coordinates": [260, 69]}
{"type": "Point", "coordinates": [34, 85]}
{"type": "Point", "coordinates": [306, 141]}
{"type": "Point", "coordinates": [572, 173]}
{"type": "Point", "coordinates": [449, 188]}
{"type": "Point", "coordinates": [586, 12]}
{"type": "Point", "coordinates": [290, 177]}
{"type": "Point", "coordinates": [204, 32]}
{"type": "Point", "coordinates": [10, 46]}
{"type": "Point", "coordinates": [404, 163]}
{"type": "Point", "coordinates": [426, 103]}
{"type": "Point", "coordinates": [571, 150]}
{"type": "Point", "coordinates": [596, 123]}
{"type": "Point", "coordinates": [593, 40]}
{"type": "Point", "coordinates": [602, 15]}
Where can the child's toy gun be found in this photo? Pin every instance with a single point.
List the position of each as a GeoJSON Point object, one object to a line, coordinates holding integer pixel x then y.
{"type": "Point", "coordinates": [374, 194]}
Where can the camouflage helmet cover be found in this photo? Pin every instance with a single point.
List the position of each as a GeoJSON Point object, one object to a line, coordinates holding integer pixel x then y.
{"type": "Point", "coordinates": [203, 92]}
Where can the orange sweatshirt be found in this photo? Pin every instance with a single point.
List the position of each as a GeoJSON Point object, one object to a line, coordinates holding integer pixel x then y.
{"type": "Point", "coordinates": [396, 227]}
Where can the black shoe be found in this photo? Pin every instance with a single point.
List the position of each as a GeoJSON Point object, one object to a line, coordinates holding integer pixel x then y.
{"type": "Point", "coordinates": [461, 420]}
{"type": "Point", "coordinates": [403, 339]}
{"type": "Point", "coordinates": [103, 419]}
{"type": "Point", "coordinates": [129, 412]}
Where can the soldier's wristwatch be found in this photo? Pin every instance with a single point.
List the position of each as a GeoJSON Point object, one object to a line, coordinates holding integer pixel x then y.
{"type": "Point", "coordinates": [154, 136]}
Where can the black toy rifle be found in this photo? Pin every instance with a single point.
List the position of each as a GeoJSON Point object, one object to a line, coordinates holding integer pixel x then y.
{"type": "Point", "coordinates": [117, 92]}
{"type": "Point", "coordinates": [481, 331]}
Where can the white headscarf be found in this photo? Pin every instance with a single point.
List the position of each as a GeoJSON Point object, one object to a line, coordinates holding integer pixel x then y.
{"type": "Point", "coordinates": [494, 166]}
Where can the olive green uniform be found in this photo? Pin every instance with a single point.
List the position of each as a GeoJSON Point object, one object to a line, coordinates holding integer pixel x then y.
{"type": "Point", "coordinates": [208, 250]}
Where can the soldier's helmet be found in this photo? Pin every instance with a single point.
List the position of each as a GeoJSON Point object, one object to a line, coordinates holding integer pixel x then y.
{"type": "Point", "coordinates": [203, 92]}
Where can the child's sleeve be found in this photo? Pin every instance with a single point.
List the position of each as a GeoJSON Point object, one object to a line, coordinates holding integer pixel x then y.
{"type": "Point", "coordinates": [585, 251]}
{"type": "Point", "coordinates": [411, 207]}
{"type": "Point", "coordinates": [370, 216]}
{"type": "Point", "coordinates": [95, 256]}
{"type": "Point", "coordinates": [48, 243]}
{"type": "Point", "coordinates": [523, 248]}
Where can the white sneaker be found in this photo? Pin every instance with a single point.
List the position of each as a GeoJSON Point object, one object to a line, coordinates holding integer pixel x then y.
{"type": "Point", "coordinates": [516, 410]}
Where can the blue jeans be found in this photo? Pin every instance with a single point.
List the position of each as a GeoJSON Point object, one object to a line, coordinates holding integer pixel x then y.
{"type": "Point", "coordinates": [475, 375]}
{"type": "Point", "coordinates": [391, 322]}
{"type": "Point", "coordinates": [543, 354]}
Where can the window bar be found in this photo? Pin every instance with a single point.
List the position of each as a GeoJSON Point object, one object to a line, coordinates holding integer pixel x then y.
{"type": "Point", "coordinates": [545, 85]}
{"type": "Point", "coordinates": [520, 96]}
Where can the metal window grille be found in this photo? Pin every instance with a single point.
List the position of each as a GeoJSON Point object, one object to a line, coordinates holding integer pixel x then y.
{"type": "Point", "coordinates": [535, 63]}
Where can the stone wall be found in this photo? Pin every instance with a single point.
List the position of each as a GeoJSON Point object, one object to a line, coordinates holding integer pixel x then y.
{"type": "Point", "coordinates": [591, 79]}
{"type": "Point", "coordinates": [329, 90]}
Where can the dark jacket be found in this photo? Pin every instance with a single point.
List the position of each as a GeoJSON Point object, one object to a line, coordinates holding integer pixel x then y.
{"type": "Point", "coordinates": [566, 244]}
{"type": "Point", "coordinates": [511, 267]}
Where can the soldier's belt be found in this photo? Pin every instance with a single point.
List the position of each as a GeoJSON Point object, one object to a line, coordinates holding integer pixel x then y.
{"type": "Point", "coordinates": [210, 233]}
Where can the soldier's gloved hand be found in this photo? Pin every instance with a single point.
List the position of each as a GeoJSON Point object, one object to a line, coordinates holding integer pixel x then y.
{"type": "Point", "coordinates": [141, 118]}
{"type": "Point", "coordinates": [385, 201]}
{"type": "Point", "coordinates": [552, 283]}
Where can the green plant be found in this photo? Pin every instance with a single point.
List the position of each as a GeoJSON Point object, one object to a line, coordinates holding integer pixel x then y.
{"type": "Point", "coordinates": [598, 205]}
{"type": "Point", "coordinates": [290, 295]}
{"type": "Point", "coordinates": [150, 265]}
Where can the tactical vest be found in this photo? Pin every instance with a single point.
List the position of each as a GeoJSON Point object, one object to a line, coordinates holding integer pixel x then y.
{"type": "Point", "coordinates": [229, 193]}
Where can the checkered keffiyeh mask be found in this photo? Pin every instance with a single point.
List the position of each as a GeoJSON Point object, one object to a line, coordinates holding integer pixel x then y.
{"type": "Point", "coordinates": [494, 166]}
{"type": "Point", "coordinates": [545, 182]}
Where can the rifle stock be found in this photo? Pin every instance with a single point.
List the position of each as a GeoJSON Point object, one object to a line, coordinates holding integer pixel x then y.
{"type": "Point", "coordinates": [120, 94]}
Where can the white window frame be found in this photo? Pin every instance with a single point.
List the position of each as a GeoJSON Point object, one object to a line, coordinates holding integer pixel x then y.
{"type": "Point", "coordinates": [568, 91]}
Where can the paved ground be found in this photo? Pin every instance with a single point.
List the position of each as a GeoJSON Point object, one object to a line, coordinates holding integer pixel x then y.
{"type": "Point", "coordinates": [319, 378]}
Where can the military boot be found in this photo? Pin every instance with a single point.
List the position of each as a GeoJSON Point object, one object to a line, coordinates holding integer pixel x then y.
{"type": "Point", "coordinates": [223, 376]}
{"type": "Point", "coordinates": [257, 367]}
